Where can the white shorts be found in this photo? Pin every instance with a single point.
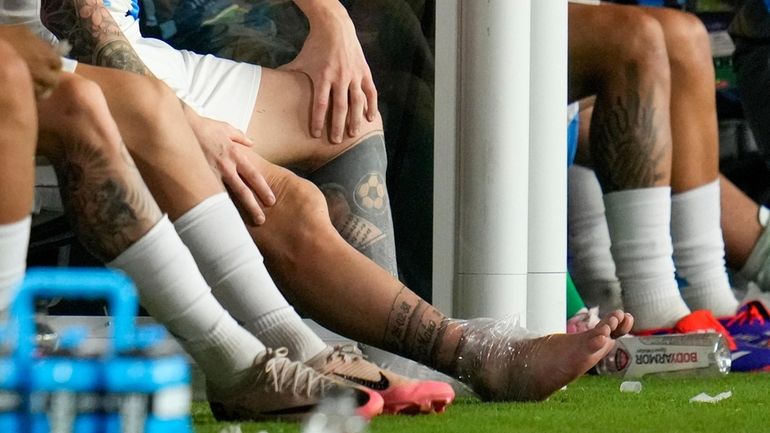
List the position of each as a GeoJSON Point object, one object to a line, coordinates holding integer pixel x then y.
{"type": "Point", "coordinates": [217, 88]}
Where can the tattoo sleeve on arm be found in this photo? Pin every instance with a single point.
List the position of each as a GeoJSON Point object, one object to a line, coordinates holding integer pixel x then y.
{"type": "Point", "coordinates": [95, 36]}
{"type": "Point", "coordinates": [626, 145]}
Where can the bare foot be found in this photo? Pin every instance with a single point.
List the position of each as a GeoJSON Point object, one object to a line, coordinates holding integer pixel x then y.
{"type": "Point", "coordinates": [500, 361]}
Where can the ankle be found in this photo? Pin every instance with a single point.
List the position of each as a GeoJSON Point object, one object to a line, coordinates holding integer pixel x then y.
{"type": "Point", "coordinates": [447, 346]}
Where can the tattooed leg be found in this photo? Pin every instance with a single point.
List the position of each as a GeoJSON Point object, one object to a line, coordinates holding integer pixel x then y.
{"type": "Point", "coordinates": [106, 199]}
{"type": "Point", "coordinates": [359, 206]}
{"type": "Point", "coordinates": [348, 293]}
{"type": "Point", "coordinates": [163, 145]}
{"type": "Point", "coordinates": [630, 144]}
{"type": "Point", "coordinates": [630, 135]}
{"type": "Point", "coordinates": [279, 125]}
{"type": "Point", "coordinates": [693, 106]}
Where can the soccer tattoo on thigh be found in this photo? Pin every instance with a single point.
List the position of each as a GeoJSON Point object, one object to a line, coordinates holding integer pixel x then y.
{"type": "Point", "coordinates": [95, 36]}
{"type": "Point", "coordinates": [625, 140]}
{"type": "Point", "coordinates": [109, 210]}
{"type": "Point", "coordinates": [414, 326]}
{"type": "Point", "coordinates": [357, 197]}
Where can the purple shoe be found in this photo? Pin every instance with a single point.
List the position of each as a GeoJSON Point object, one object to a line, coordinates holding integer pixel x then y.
{"type": "Point", "coordinates": [748, 357]}
{"type": "Point", "coordinates": [750, 329]}
{"type": "Point", "coordinates": [751, 325]}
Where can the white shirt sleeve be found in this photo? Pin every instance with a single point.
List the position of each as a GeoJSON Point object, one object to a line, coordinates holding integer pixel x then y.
{"type": "Point", "coordinates": [26, 12]}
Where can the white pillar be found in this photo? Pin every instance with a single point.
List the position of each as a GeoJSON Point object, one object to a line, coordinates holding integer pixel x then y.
{"type": "Point", "coordinates": [445, 153]}
{"type": "Point", "coordinates": [493, 158]}
{"type": "Point", "coordinates": [547, 261]}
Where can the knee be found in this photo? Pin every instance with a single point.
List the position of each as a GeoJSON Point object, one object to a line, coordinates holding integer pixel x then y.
{"type": "Point", "coordinates": [151, 104]}
{"type": "Point", "coordinates": [15, 82]}
{"type": "Point", "coordinates": [639, 42]}
{"type": "Point", "coordinates": [302, 210]}
{"type": "Point", "coordinates": [80, 117]}
{"type": "Point", "coordinates": [79, 100]}
{"type": "Point", "coordinates": [688, 42]}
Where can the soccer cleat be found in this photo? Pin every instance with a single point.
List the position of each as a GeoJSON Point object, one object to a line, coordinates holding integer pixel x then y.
{"type": "Point", "coordinates": [745, 355]}
{"type": "Point", "coordinates": [750, 325]}
{"type": "Point", "coordinates": [748, 357]}
{"type": "Point", "coordinates": [400, 394]}
{"type": "Point", "coordinates": [697, 321]}
{"type": "Point", "coordinates": [278, 388]}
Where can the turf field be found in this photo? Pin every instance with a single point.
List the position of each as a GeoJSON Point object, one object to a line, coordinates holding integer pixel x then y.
{"type": "Point", "coordinates": [590, 405]}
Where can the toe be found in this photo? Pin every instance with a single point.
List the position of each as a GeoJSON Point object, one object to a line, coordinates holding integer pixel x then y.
{"type": "Point", "coordinates": [613, 320]}
{"type": "Point", "coordinates": [624, 327]}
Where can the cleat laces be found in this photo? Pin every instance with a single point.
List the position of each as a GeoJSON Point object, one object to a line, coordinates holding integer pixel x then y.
{"type": "Point", "coordinates": [286, 375]}
{"type": "Point", "coordinates": [749, 316]}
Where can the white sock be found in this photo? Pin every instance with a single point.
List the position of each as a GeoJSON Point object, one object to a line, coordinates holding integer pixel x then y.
{"type": "Point", "coordinates": [175, 294]}
{"type": "Point", "coordinates": [639, 224]}
{"type": "Point", "coordinates": [699, 251]}
{"type": "Point", "coordinates": [233, 266]}
{"type": "Point", "coordinates": [14, 240]}
{"type": "Point", "coordinates": [757, 266]}
{"type": "Point", "coordinates": [588, 242]}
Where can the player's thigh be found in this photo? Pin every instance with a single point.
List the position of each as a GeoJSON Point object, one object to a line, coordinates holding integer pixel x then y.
{"type": "Point", "coordinates": [280, 123]}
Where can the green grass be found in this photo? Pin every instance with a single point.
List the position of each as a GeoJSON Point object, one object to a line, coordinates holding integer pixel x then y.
{"type": "Point", "coordinates": [590, 405]}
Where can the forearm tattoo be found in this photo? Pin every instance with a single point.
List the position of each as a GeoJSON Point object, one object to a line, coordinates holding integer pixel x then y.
{"type": "Point", "coordinates": [414, 327]}
{"type": "Point", "coordinates": [626, 145]}
{"type": "Point", "coordinates": [109, 208]}
{"type": "Point", "coordinates": [95, 36]}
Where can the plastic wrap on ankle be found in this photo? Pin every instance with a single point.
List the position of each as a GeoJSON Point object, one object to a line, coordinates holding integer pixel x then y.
{"type": "Point", "coordinates": [489, 347]}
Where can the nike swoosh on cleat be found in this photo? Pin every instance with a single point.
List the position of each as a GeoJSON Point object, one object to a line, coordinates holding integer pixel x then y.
{"type": "Point", "coordinates": [738, 355]}
{"type": "Point", "coordinates": [380, 385]}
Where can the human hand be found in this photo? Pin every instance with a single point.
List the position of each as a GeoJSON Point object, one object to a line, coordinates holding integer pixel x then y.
{"type": "Point", "coordinates": [43, 62]}
{"type": "Point", "coordinates": [225, 147]}
{"type": "Point", "coordinates": [332, 57]}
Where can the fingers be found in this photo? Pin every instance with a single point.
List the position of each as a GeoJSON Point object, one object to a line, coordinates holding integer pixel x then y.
{"type": "Point", "coordinates": [345, 103]}
{"type": "Point", "coordinates": [45, 67]}
{"type": "Point", "coordinates": [356, 110]}
{"type": "Point", "coordinates": [45, 82]}
{"type": "Point", "coordinates": [367, 85]}
{"type": "Point", "coordinates": [256, 181]}
{"type": "Point", "coordinates": [320, 105]}
{"type": "Point", "coordinates": [339, 113]}
{"type": "Point", "coordinates": [243, 194]}
{"type": "Point", "coordinates": [239, 137]}
{"type": "Point", "coordinates": [54, 62]}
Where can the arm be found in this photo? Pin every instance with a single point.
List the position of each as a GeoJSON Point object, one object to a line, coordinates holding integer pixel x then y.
{"type": "Point", "coordinates": [332, 56]}
{"type": "Point", "coordinates": [95, 36]}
